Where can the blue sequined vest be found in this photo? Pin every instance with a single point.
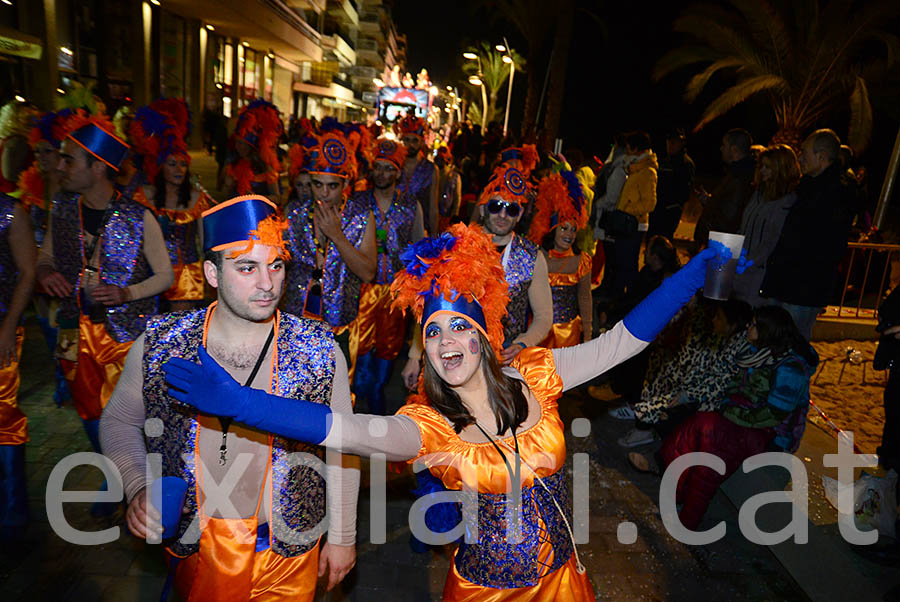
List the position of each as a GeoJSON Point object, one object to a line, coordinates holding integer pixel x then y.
{"type": "Point", "coordinates": [122, 261]}
{"type": "Point", "coordinates": [9, 273]}
{"type": "Point", "coordinates": [519, 273]}
{"type": "Point", "coordinates": [340, 286]}
{"type": "Point", "coordinates": [418, 185]}
{"type": "Point", "coordinates": [302, 247]}
{"type": "Point", "coordinates": [496, 562]}
{"type": "Point", "coordinates": [393, 233]}
{"type": "Point", "coordinates": [305, 370]}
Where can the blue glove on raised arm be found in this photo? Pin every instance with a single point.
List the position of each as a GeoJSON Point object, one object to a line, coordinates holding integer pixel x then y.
{"type": "Point", "coordinates": [209, 388]}
{"type": "Point", "coordinates": [653, 313]}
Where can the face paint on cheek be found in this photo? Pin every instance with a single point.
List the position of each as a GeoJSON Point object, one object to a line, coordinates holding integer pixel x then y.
{"type": "Point", "coordinates": [474, 347]}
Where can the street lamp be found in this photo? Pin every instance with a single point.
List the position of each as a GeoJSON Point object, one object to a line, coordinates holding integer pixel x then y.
{"type": "Point", "coordinates": [500, 48]}
{"type": "Point", "coordinates": [476, 81]}
{"type": "Point", "coordinates": [507, 58]}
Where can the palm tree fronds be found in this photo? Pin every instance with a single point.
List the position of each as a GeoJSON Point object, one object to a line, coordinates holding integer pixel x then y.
{"type": "Point", "coordinates": [737, 94]}
{"type": "Point", "coordinates": [860, 130]}
{"type": "Point", "coordinates": [683, 57]}
{"type": "Point", "coordinates": [699, 81]}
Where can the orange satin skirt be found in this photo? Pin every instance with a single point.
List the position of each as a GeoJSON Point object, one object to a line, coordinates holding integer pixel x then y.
{"type": "Point", "coordinates": [377, 326]}
{"type": "Point", "coordinates": [567, 334]}
{"type": "Point", "coordinates": [97, 371]}
{"type": "Point", "coordinates": [563, 585]}
{"type": "Point", "coordinates": [231, 570]}
{"type": "Point", "coordinates": [13, 423]}
{"type": "Point", "coordinates": [188, 282]}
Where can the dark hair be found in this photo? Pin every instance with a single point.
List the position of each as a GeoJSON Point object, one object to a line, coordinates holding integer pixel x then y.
{"type": "Point", "coordinates": [660, 246]}
{"type": "Point", "coordinates": [504, 394]}
{"type": "Point", "coordinates": [776, 330]}
{"type": "Point", "coordinates": [185, 189]}
{"type": "Point", "coordinates": [111, 173]}
{"type": "Point", "coordinates": [216, 257]}
{"type": "Point", "coordinates": [737, 313]}
{"type": "Point", "coordinates": [739, 138]}
{"type": "Point", "coordinates": [549, 242]}
{"type": "Point", "coordinates": [639, 141]}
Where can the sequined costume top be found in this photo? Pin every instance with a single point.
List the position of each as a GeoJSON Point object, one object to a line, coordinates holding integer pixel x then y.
{"type": "Point", "coordinates": [122, 260]}
{"type": "Point", "coordinates": [340, 286]}
{"type": "Point", "coordinates": [300, 242]}
{"type": "Point", "coordinates": [9, 273]}
{"type": "Point", "coordinates": [180, 227]}
{"type": "Point", "coordinates": [519, 269]}
{"type": "Point", "coordinates": [494, 562]}
{"type": "Point", "coordinates": [564, 288]}
{"type": "Point", "coordinates": [304, 369]}
{"type": "Point", "coordinates": [393, 233]}
{"type": "Point", "coordinates": [418, 185]}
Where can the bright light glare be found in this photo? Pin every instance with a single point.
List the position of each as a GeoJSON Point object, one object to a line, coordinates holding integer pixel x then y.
{"type": "Point", "coordinates": [474, 81]}
{"type": "Point", "coordinates": [470, 56]}
{"type": "Point", "coordinates": [507, 60]}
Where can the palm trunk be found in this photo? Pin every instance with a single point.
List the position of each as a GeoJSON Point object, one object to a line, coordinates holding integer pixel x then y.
{"type": "Point", "coordinates": [560, 59]}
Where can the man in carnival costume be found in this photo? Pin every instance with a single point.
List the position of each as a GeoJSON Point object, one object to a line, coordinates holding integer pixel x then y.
{"type": "Point", "coordinates": [105, 257]}
{"type": "Point", "coordinates": [159, 132]}
{"type": "Point", "coordinates": [501, 206]}
{"type": "Point", "coordinates": [17, 257]}
{"type": "Point", "coordinates": [256, 538]}
{"type": "Point", "coordinates": [478, 428]}
{"type": "Point", "coordinates": [331, 239]}
{"type": "Point", "coordinates": [378, 333]}
{"type": "Point", "coordinates": [419, 178]}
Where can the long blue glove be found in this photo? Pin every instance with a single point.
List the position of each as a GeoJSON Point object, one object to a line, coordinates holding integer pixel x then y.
{"type": "Point", "coordinates": [653, 313]}
{"type": "Point", "coordinates": [209, 388]}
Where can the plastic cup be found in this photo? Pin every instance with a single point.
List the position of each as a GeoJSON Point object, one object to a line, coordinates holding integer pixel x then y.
{"type": "Point", "coordinates": [720, 274]}
{"type": "Point", "coordinates": [167, 496]}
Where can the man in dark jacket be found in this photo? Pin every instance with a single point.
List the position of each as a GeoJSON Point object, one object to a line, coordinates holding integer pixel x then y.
{"type": "Point", "coordinates": [673, 189]}
{"type": "Point", "coordinates": [801, 271]}
{"type": "Point", "coordinates": [722, 210]}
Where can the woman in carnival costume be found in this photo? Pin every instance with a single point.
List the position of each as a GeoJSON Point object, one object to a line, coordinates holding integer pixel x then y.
{"type": "Point", "coordinates": [560, 213]}
{"type": "Point", "coordinates": [472, 422]}
{"type": "Point", "coordinates": [158, 132]}
{"type": "Point", "coordinates": [254, 168]}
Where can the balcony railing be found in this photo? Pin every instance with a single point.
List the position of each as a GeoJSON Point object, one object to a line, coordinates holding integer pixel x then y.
{"type": "Point", "coordinates": [364, 44]}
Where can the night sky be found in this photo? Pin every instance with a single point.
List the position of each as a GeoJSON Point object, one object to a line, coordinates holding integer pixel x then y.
{"type": "Point", "coordinates": [608, 87]}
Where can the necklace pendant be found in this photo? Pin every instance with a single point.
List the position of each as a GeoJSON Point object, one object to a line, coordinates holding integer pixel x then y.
{"type": "Point", "coordinates": [222, 458]}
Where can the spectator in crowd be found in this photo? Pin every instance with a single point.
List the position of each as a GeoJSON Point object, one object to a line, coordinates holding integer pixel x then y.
{"type": "Point", "coordinates": [690, 368]}
{"type": "Point", "coordinates": [801, 271]}
{"type": "Point", "coordinates": [632, 215]}
{"type": "Point", "coordinates": [660, 261]}
{"type": "Point", "coordinates": [765, 407]}
{"type": "Point", "coordinates": [676, 180]}
{"type": "Point", "coordinates": [722, 210]}
{"type": "Point", "coordinates": [777, 175]}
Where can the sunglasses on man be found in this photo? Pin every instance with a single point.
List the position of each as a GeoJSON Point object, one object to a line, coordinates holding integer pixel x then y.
{"type": "Point", "coordinates": [495, 207]}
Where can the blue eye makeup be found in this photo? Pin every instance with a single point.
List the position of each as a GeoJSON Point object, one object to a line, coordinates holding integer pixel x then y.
{"type": "Point", "coordinates": [432, 330]}
{"type": "Point", "coordinates": [460, 324]}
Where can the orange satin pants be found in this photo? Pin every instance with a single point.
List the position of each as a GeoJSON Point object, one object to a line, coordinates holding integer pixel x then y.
{"type": "Point", "coordinates": [377, 326]}
{"type": "Point", "coordinates": [13, 423]}
{"type": "Point", "coordinates": [100, 363]}
{"type": "Point", "coordinates": [188, 282]}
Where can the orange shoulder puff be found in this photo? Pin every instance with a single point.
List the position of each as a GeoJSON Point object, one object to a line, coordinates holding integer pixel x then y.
{"type": "Point", "coordinates": [433, 427]}
{"type": "Point", "coordinates": [537, 367]}
{"type": "Point", "coordinates": [584, 266]}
